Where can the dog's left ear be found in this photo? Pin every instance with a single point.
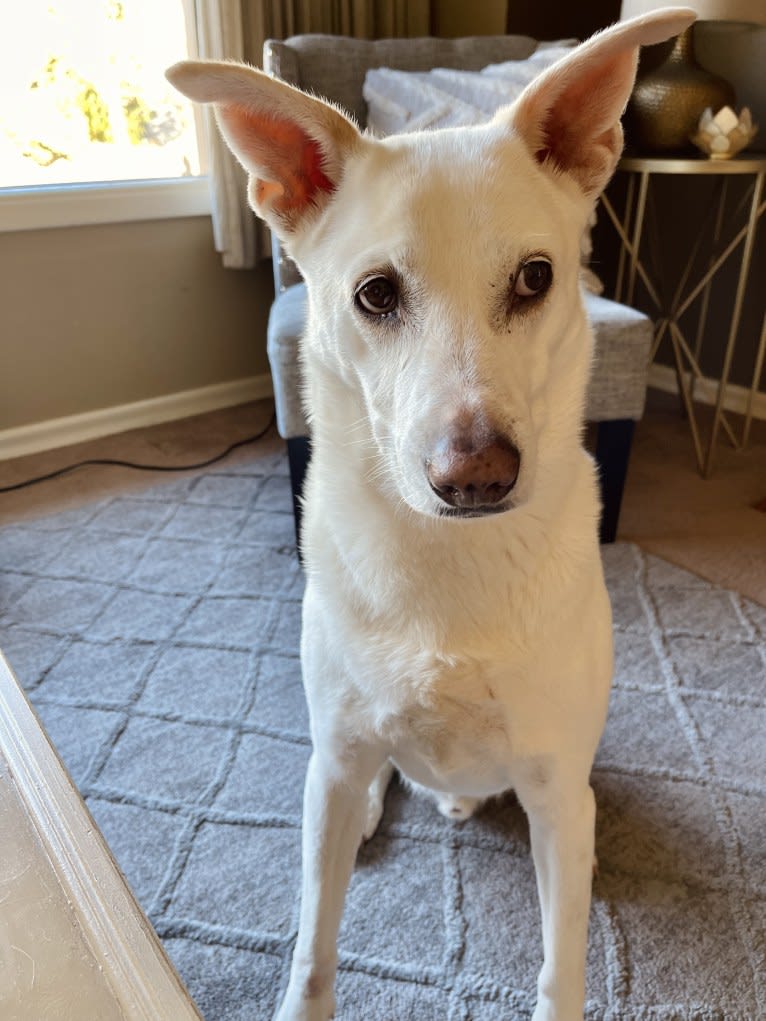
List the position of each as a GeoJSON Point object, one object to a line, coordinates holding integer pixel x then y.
{"type": "Point", "coordinates": [569, 117]}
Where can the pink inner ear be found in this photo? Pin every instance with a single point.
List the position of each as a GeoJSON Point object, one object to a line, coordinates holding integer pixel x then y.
{"type": "Point", "coordinates": [580, 127]}
{"type": "Point", "coordinates": [278, 151]}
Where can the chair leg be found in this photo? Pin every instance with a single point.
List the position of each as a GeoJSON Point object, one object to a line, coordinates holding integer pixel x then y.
{"type": "Point", "coordinates": [298, 456]}
{"type": "Point", "coordinates": [613, 442]}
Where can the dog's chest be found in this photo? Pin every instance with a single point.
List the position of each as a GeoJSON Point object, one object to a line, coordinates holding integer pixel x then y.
{"type": "Point", "coordinates": [448, 724]}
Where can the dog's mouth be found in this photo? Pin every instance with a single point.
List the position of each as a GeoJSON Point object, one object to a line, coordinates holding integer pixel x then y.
{"type": "Point", "coordinates": [474, 512]}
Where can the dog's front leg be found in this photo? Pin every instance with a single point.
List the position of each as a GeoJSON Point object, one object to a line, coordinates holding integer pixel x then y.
{"type": "Point", "coordinates": [334, 816]}
{"type": "Point", "coordinates": [562, 815]}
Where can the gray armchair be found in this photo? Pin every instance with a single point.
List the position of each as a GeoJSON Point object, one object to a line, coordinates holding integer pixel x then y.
{"type": "Point", "coordinates": [335, 67]}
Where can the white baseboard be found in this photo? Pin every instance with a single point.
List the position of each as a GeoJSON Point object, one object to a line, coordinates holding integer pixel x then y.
{"type": "Point", "coordinates": [663, 377]}
{"type": "Point", "coordinates": [61, 432]}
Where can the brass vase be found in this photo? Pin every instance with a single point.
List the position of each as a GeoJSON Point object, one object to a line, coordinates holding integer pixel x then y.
{"type": "Point", "coordinates": [669, 100]}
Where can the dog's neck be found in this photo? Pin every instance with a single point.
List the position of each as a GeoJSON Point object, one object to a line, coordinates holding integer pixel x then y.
{"type": "Point", "coordinates": [383, 549]}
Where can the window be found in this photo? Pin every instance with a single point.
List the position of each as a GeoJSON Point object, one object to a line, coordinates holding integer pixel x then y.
{"type": "Point", "coordinates": [86, 109]}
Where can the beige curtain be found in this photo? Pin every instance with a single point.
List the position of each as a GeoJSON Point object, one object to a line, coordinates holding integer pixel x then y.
{"type": "Point", "coordinates": [237, 29]}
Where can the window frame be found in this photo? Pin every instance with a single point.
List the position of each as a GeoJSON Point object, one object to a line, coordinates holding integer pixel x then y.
{"type": "Point", "coordinates": [74, 205]}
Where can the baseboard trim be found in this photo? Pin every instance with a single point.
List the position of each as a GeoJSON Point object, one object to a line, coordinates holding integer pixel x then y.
{"type": "Point", "coordinates": [62, 432]}
{"type": "Point", "coordinates": [663, 377]}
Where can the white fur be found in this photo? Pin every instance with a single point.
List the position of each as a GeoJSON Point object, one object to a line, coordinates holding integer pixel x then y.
{"type": "Point", "coordinates": [473, 654]}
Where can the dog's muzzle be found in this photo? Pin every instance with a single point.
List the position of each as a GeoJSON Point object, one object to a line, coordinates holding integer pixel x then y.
{"type": "Point", "coordinates": [473, 472]}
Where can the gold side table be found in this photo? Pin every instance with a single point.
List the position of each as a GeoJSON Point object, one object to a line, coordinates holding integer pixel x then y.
{"type": "Point", "coordinates": [631, 230]}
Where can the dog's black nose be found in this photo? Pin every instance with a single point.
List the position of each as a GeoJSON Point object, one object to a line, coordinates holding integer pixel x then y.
{"type": "Point", "coordinates": [473, 472]}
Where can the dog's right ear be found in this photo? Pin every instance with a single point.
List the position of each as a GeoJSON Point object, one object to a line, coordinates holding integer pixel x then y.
{"type": "Point", "coordinates": [569, 117]}
{"type": "Point", "coordinates": [292, 145]}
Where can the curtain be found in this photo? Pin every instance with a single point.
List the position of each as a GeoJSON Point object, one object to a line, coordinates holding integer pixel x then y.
{"type": "Point", "coordinates": [237, 30]}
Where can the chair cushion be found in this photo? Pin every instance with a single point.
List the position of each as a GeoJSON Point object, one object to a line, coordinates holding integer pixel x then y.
{"type": "Point", "coordinates": [623, 342]}
{"type": "Point", "coordinates": [287, 320]}
{"type": "Point", "coordinates": [617, 389]}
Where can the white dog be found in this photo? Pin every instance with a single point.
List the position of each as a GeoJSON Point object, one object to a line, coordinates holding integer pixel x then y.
{"type": "Point", "coordinates": [455, 622]}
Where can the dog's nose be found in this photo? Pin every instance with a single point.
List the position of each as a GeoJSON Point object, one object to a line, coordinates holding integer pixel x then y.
{"type": "Point", "coordinates": [470, 473]}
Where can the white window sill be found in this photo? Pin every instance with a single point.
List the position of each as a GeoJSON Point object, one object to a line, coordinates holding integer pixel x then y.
{"type": "Point", "coordinates": [72, 205]}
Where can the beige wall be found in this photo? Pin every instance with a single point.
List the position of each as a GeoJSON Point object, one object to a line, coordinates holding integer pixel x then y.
{"type": "Point", "coordinates": [96, 316]}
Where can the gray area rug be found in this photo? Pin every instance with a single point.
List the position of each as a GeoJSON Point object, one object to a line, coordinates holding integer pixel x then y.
{"type": "Point", "coordinates": [157, 636]}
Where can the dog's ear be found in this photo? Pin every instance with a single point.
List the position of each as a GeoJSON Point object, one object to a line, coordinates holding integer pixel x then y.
{"type": "Point", "coordinates": [569, 117]}
{"type": "Point", "coordinates": [292, 145]}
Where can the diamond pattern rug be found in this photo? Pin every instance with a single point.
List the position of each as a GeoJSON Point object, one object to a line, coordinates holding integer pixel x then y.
{"type": "Point", "coordinates": [157, 636]}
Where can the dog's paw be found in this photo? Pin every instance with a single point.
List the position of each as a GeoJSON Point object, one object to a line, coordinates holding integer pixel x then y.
{"type": "Point", "coordinates": [300, 1008]}
{"type": "Point", "coordinates": [457, 808]}
{"type": "Point", "coordinates": [305, 1012]}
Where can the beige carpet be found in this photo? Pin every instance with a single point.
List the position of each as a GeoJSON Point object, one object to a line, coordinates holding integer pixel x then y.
{"type": "Point", "coordinates": [709, 526]}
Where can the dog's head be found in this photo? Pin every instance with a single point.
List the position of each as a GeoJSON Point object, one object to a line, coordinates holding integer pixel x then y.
{"type": "Point", "coordinates": [443, 267]}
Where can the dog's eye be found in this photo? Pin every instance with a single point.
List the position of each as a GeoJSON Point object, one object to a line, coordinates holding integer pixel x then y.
{"type": "Point", "coordinates": [377, 296]}
{"type": "Point", "coordinates": [533, 278]}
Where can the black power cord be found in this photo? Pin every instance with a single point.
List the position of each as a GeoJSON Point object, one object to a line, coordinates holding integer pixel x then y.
{"type": "Point", "coordinates": [140, 467]}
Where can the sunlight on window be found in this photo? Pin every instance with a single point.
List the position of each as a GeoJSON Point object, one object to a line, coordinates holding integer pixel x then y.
{"type": "Point", "coordinates": [84, 97]}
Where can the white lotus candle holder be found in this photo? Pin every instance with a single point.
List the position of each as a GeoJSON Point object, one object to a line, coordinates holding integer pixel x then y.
{"type": "Point", "coordinates": [725, 134]}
